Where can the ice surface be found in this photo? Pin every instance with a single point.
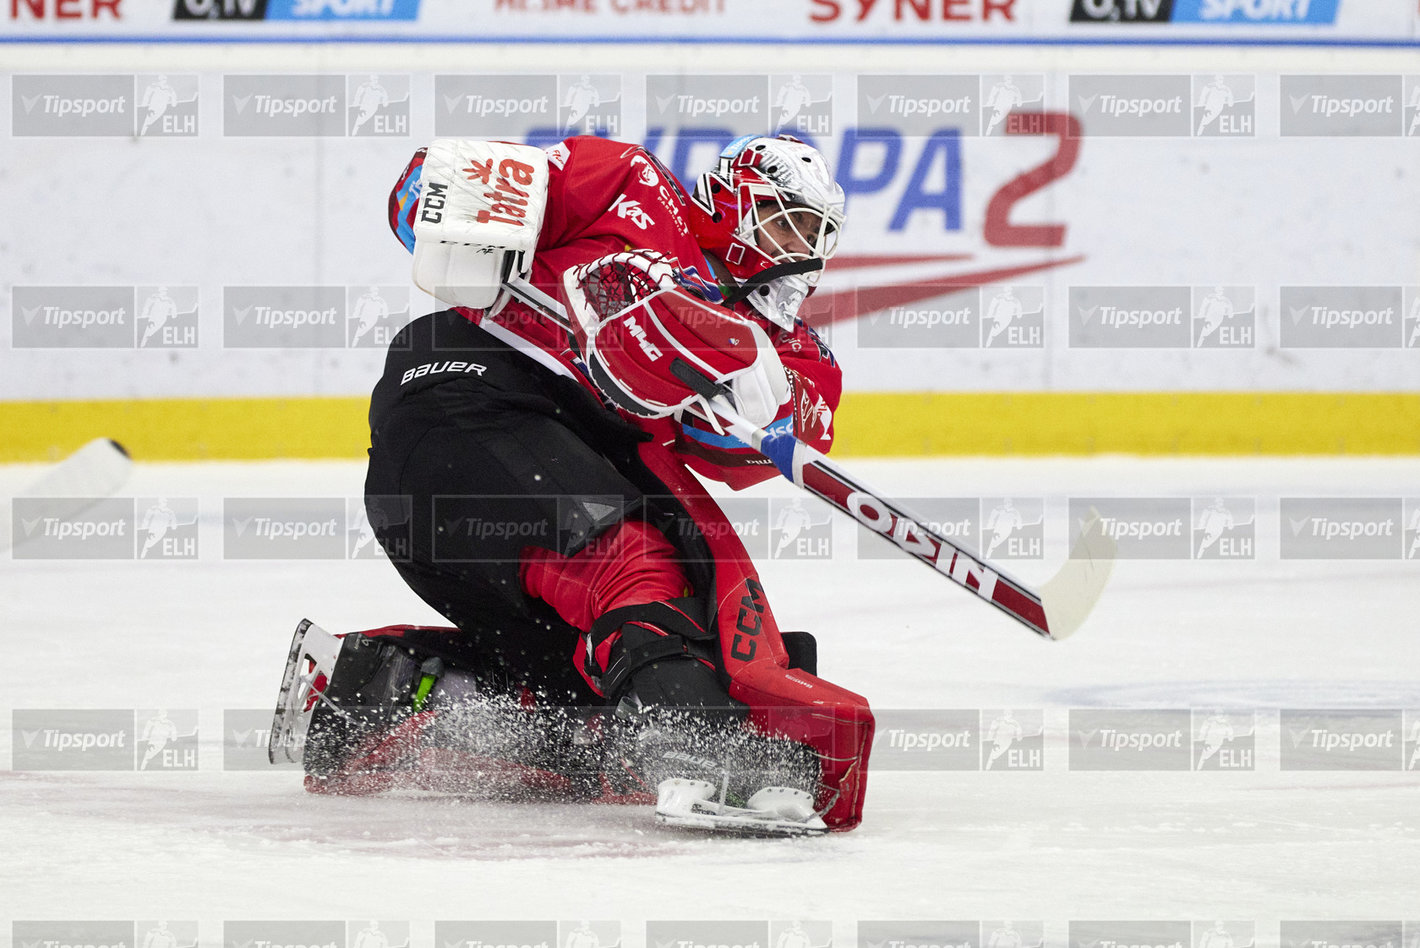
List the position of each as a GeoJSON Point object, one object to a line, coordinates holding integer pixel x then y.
{"type": "Point", "coordinates": [210, 634]}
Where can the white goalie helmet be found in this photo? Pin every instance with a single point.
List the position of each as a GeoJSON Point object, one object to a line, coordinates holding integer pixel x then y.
{"type": "Point", "coordinates": [769, 202]}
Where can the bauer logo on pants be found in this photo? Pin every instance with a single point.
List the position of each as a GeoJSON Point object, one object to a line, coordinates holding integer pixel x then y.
{"type": "Point", "coordinates": [1344, 739]}
{"type": "Point", "coordinates": [1130, 739]}
{"type": "Point", "coordinates": [496, 934]}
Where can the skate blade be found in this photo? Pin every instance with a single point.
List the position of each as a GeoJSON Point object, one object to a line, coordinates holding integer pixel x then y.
{"type": "Point", "coordinates": [741, 824]}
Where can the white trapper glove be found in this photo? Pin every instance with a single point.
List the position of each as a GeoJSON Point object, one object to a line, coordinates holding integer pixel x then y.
{"type": "Point", "coordinates": [759, 390]}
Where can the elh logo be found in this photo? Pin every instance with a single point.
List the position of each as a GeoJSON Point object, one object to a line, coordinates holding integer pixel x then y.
{"type": "Point", "coordinates": [368, 518]}
{"type": "Point", "coordinates": [166, 317]}
{"type": "Point", "coordinates": [1224, 740]}
{"type": "Point", "coordinates": [1224, 106]}
{"type": "Point", "coordinates": [378, 105]}
{"type": "Point", "coordinates": [800, 529]}
{"type": "Point", "coordinates": [1224, 528]}
{"type": "Point", "coordinates": [1412, 107]}
{"type": "Point", "coordinates": [167, 106]}
{"type": "Point", "coordinates": [1012, 528]}
{"type": "Point", "coordinates": [374, 933]}
{"type": "Point", "coordinates": [162, 934]}
{"type": "Point", "coordinates": [1410, 329]}
{"type": "Point", "coordinates": [589, 104]}
{"type": "Point", "coordinates": [1012, 317]}
{"type": "Point", "coordinates": [374, 315]}
{"type": "Point", "coordinates": [1225, 934]}
{"type": "Point", "coordinates": [1004, 95]}
{"type": "Point", "coordinates": [1012, 740]}
{"type": "Point", "coordinates": [1224, 317]}
{"type": "Point", "coordinates": [167, 740]}
{"type": "Point", "coordinates": [167, 528]}
{"type": "Point", "coordinates": [1411, 748]}
{"type": "Point", "coordinates": [589, 934]}
{"type": "Point", "coordinates": [801, 104]}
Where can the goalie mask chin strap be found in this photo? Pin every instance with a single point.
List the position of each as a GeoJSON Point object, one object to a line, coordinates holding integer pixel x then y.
{"type": "Point", "coordinates": [769, 275]}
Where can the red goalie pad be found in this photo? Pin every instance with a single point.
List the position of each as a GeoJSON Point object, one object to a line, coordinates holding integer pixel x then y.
{"type": "Point", "coordinates": [634, 318]}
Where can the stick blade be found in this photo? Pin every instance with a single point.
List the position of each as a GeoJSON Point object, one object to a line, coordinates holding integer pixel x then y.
{"type": "Point", "coordinates": [96, 470]}
{"type": "Point", "coordinates": [1070, 595]}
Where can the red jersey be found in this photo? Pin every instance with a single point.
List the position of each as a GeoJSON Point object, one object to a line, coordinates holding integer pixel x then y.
{"type": "Point", "coordinates": [607, 197]}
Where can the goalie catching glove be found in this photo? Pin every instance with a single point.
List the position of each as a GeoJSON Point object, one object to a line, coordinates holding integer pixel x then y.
{"type": "Point", "coordinates": [635, 314]}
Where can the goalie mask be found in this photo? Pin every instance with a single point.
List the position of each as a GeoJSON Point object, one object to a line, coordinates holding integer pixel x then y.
{"type": "Point", "coordinates": [769, 201]}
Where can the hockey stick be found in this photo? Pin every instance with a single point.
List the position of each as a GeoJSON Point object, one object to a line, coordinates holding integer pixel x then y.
{"type": "Point", "coordinates": [93, 472]}
{"type": "Point", "coordinates": [1056, 612]}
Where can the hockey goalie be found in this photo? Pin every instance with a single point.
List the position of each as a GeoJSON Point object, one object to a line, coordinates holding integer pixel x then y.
{"type": "Point", "coordinates": [532, 481]}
